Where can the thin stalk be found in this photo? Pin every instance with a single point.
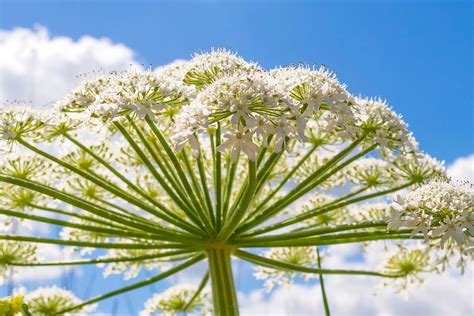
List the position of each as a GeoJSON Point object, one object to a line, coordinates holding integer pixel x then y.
{"type": "Point", "coordinates": [165, 186]}
{"type": "Point", "coordinates": [112, 169]}
{"type": "Point", "coordinates": [205, 188]}
{"type": "Point", "coordinates": [173, 158]}
{"type": "Point", "coordinates": [296, 192]}
{"type": "Point", "coordinates": [236, 217]}
{"type": "Point", "coordinates": [222, 281]}
{"type": "Point", "coordinates": [323, 289]}
{"type": "Point", "coordinates": [112, 189]}
{"type": "Point", "coordinates": [333, 240]}
{"type": "Point", "coordinates": [138, 284]}
{"type": "Point", "coordinates": [314, 232]}
{"type": "Point", "coordinates": [279, 265]}
{"type": "Point", "coordinates": [89, 228]}
{"type": "Point", "coordinates": [325, 209]}
{"type": "Point", "coordinates": [174, 185]}
{"type": "Point", "coordinates": [105, 260]}
{"type": "Point", "coordinates": [230, 175]}
{"type": "Point", "coordinates": [83, 217]}
{"type": "Point", "coordinates": [195, 184]}
{"type": "Point", "coordinates": [285, 179]}
{"type": "Point", "coordinates": [102, 245]}
{"type": "Point", "coordinates": [74, 201]}
{"type": "Point", "coordinates": [218, 179]}
{"type": "Point", "coordinates": [201, 287]}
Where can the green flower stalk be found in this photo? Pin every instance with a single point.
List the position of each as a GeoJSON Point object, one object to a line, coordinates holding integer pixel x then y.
{"type": "Point", "coordinates": [209, 159]}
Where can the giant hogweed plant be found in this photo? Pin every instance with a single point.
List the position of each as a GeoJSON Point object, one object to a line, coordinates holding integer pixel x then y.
{"type": "Point", "coordinates": [215, 159]}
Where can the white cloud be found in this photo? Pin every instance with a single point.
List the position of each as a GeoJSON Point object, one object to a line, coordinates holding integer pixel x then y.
{"type": "Point", "coordinates": [462, 168]}
{"type": "Point", "coordinates": [446, 294]}
{"type": "Point", "coordinates": [48, 253]}
{"type": "Point", "coordinates": [39, 68]}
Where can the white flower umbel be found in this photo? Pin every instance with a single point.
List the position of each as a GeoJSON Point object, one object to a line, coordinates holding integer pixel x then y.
{"type": "Point", "coordinates": [210, 158]}
{"type": "Point", "coordinates": [440, 208]}
{"type": "Point", "coordinates": [13, 257]}
{"type": "Point", "coordinates": [177, 300]}
{"type": "Point", "coordinates": [45, 301]}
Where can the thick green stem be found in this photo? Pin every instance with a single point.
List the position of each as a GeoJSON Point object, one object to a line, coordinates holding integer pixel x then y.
{"type": "Point", "coordinates": [222, 281]}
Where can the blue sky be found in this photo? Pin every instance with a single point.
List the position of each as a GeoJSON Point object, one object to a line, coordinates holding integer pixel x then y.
{"type": "Point", "coordinates": [416, 54]}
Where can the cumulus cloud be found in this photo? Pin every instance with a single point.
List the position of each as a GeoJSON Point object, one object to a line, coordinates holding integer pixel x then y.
{"type": "Point", "coordinates": [445, 294]}
{"type": "Point", "coordinates": [40, 69]}
{"type": "Point", "coordinates": [48, 253]}
{"type": "Point", "coordinates": [462, 169]}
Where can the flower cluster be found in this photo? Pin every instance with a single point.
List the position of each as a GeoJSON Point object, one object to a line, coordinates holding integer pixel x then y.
{"type": "Point", "coordinates": [45, 301]}
{"type": "Point", "coordinates": [15, 253]}
{"type": "Point", "coordinates": [302, 256]}
{"type": "Point", "coordinates": [439, 208]}
{"type": "Point", "coordinates": [177, 300]}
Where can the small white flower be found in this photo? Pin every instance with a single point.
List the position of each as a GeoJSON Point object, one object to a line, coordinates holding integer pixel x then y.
{"type": "Point", "coordinates": [239, 140]}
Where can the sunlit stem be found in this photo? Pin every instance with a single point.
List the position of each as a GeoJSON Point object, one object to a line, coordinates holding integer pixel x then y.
{"type": "Point", "coordinates": [74, 201]}
{"type": "Point", "coordinates": [230, 175]}
{"type": "Point", "coordinates": [138, 284]}
{"type": "Point", "coordinates": [205, 188]}
{"type": "Point", "coordinates": [200, 288]}
{"type": "Point", "coordinates": [99, 230]}
{"type": "Point", "coordinates": [324, 209]}
{"type": "Point", "coordinates": [174, 161]}
{"type": "Point", "coordinates": [173, 185]}
{"type": "Point", "coordinates": [333, 239]}
{"type": "Point", "coordinates": [222, 280]}
{"type": "Point", "coordinates": [218, 179]}
{"type": "Point", "coordinates": [77, 215]}
{"type": "Point", "coordinates": [111, 188]}
{"type": "Point", "coordinates": [323, 288]}
{"type": "Point", "coordinates": [301, 189]}
{"type": "Point", "coordinates": [314, 232]}
{"type": "Point", "coordinates": [102, 245]}
{"type": "Point", "coordinates": [279, 265]}
{"type": "Point", "coordinates": [195, 184]}
{"type": "Point", "coordinates": [105, 260]}
{"type": "Point", "coordinates": [285, 179]}
{"type": "Point", "coordinates": [158, 177]}
{"type": "Point", "coordinates": [236, 217]}
{"type": "Point", "coordinates": [113, 170]}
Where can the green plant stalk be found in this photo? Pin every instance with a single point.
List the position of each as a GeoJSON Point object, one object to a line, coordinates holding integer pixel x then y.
{"type": "Point", "coordinates": [173, 158]}
{"type": "Point", "coordinates": [218, 179]}
{"type": "Point", "coordinates": [236, 217]}
{"type": "Point", "coordinates": [222, 282]}
{"type": "Point", "coordinates": [201, 287]}
{"type": "Point", "coordinates": [138, 284]}
{"type": "Point", "coordinates": [185, 207]}
{"type": "Point", "coordinates": [295, 193]}
{"type": "Point", "coordinates": [173, 185]}
{"type": "Point", "coordinates": [230, 175]}
{"type": "Point", "coordinates": [285, 179]}
{"type": "Point", "coordinates": [324, 209]}
{"type": "Point", "coordinates": [314, 232]}
{"type": "Point", "coordinates": [195, 184]}
{"type": "Point", "coordinates": [113, 170]}
{"type": "Point", "coordinates": [326, 241]}
{"type": "Point", "coordinates": [153, 235]}
{"type": "Point", "coordinates": [279, 265]}
{"type": "Point", "coordinates": [83, 217]}
{"type": "Point", "coordinates": [105, 260]}
{"type": "Point", "coordinates": [323, 288]}
{"type": "Point", "coordinates": [102, 245]}
{"type": "Point", "coordinates": [114, 190]}
{"type": "Point", "coordinates": [205, 188]}
{"type": "Point", "coordinates": [74, 201]}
